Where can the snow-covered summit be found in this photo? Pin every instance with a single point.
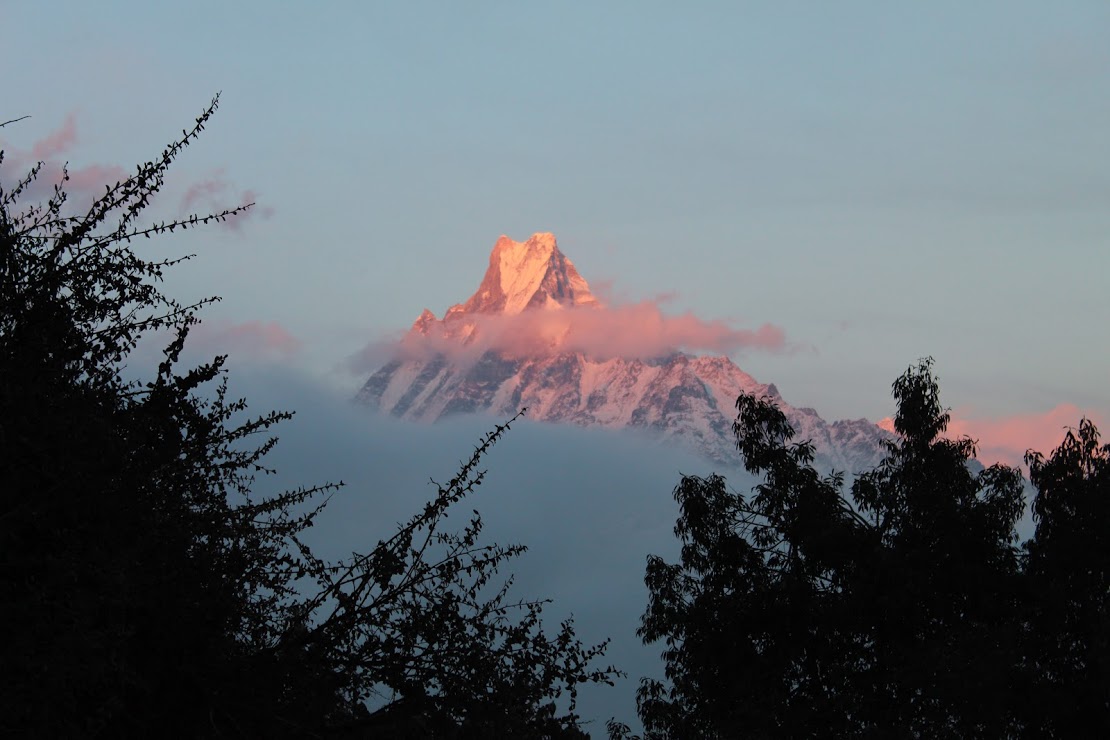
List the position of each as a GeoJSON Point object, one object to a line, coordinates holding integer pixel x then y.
{"type": "Point", "coordinates": [528, 274]}
{"type": "Point", "coordinates": [424, 323]}
{"type": "Point", "coordinates": [447, 369]}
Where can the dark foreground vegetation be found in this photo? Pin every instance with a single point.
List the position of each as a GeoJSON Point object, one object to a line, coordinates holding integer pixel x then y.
{"type": "Point", "coordinates": [903, 607]}
{"type": "Point", "coordinates": [149, 593]}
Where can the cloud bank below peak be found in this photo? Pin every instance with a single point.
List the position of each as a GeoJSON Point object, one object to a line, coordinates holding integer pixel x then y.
{"type": "Point", "coordinates": [533, 303]}
{"type": "Point", "coordinates": [635, 331]}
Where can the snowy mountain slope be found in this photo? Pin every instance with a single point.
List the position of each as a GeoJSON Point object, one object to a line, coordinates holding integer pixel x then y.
{"type": "Point", "coordinates": [471, 361]}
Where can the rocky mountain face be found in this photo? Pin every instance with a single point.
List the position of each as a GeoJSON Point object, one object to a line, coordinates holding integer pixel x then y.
{"type": "Point", "coordinates": [476, 360]}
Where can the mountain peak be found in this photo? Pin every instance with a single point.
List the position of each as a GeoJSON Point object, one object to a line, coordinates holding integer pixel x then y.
{"type": "Point", "coordinates": [526, 275]}
{"type": "Point", "coordinates": [544, 240]}
{"type": "Point", "coordinates": [504, 349]}
{"type": "Point", "coordinates": [423, 322]}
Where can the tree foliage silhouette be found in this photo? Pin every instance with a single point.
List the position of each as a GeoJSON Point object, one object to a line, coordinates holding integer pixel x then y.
{"type": "Point", "coordinates": [150, 593]}
{"type": "Point", "coordinates": [1068, 659]}
{"type": "Point", "coordinates": [904, 608]}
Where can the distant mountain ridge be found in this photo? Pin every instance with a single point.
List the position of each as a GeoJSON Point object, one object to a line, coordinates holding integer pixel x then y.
{"type": "Point", "coordinates": [449, 366]}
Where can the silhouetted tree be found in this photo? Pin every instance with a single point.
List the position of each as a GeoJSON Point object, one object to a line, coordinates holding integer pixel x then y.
{"type": "Point", "coordinates": [148, 592]}
{"type": "Point", "coordinates": [903, 609]}
{"type": "Point", "coordinates": [1068, 654]}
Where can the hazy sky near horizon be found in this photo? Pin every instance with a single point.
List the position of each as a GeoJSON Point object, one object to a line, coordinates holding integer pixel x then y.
{"type": "Point", "coordinates": [882, 181]}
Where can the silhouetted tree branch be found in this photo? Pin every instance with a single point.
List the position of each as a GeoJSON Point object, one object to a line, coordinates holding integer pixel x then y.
{"type": "Point", "coordinates": [152, 593]}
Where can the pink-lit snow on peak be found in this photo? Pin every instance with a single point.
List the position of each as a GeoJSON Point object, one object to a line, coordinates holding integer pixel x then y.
{"type": "Point", "coordinates": [527, 275]}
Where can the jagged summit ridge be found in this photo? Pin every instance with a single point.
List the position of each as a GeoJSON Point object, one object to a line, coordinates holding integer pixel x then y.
{"type": "Point", "coordinates": [674, 396]}
{"type": "Point", "coordinates": [528, 274]}
{"type": "Point", "coordinates": [521, 276]}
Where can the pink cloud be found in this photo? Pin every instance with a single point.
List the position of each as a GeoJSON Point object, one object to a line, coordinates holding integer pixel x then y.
{"type": "Point", "coordinates": [639, 330]}
{"type": "Point", "coordinates": [86, 183]}
{"type": "Point", "coordinates": [58, 142]}
{"type": "Point", "coordinates": [210, 194]}
{"type": "Point", "coordinates": [247, 197]}
{"type": "Point", "coordinates": [93, 178]}
{"type": "Point", "coordinates": [1005, 439]}
{"type": "Point", "coordinates": [206, 189]}
{"type": "Point", "coordinates": [251, 340]}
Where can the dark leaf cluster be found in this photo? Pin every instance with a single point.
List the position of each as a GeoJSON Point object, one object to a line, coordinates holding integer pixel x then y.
{"type": "Point", "coordinates": [151, 593]}
{"type": "Point", "coordinates": [900, 607]}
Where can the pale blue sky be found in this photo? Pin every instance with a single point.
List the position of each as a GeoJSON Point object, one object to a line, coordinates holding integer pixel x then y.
{"type": "Point", "coordinates": [882, 180]}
